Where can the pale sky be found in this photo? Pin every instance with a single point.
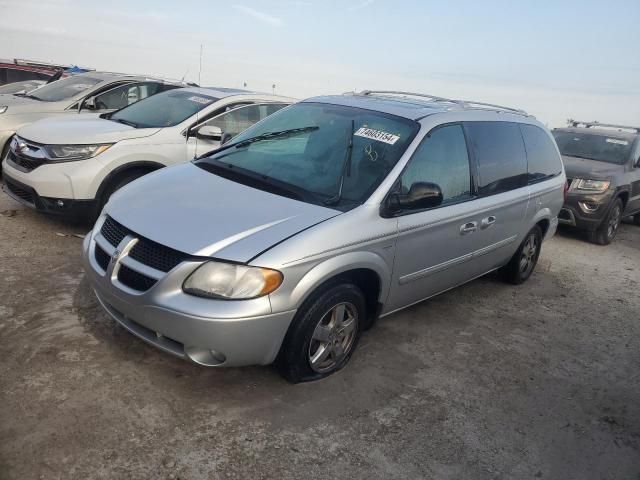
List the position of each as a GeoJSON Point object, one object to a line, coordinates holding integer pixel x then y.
{"type": "Point", "coordinates": [557, 59]}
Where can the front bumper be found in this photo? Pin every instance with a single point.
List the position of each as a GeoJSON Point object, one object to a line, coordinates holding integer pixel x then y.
{"type": "Point", "coordinates": [206, 331]}
{"type": "Point", "coordinates": [575, 215]}
{"type": "Point", "coordinates": [26, 195]}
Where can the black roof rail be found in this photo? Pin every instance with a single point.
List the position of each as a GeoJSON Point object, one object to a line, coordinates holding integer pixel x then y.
{"type": "Point", "coordinates": [577, 123]}
{"type": "Point", "coordinates": [470, 104]}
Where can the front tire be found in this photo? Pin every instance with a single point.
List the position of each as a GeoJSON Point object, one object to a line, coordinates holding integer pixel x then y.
{"type": "Point", "coordinates": [524, 261]}
{"type": "Point", "coordinates": [115, 185]}
{"type": "Point", "coordinates": [607, 230]}
{"type": "Point", "coordinates": [324, 334]}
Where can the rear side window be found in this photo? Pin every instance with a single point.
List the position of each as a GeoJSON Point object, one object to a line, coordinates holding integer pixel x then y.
{"type": "Point", "coordinates": [500, 154]}
{"type": "Point", "coordinates": [542, 155]}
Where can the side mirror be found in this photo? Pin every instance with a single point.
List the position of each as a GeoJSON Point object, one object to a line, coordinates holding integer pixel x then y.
{"type": "Point", "coordinates": [209, 132]}
{"type": "Point", "coordinates": [422, 195]}
{"type": "Point", "coordinates": [89, 103]}
{"type": "Point", "coordinates": [225, 138]}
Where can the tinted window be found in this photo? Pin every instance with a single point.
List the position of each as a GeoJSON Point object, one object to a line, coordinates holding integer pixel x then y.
{"type": "Point", "coordinates": [593, 146]}
{"type": "Point", "coordinates": [499, 151]}
{"type": "Point", "coordinates": [542, 156]}
{"type": "Point", "coordinates": [442, 159]}
{"type": "Point", "coordinates": [14, 75]}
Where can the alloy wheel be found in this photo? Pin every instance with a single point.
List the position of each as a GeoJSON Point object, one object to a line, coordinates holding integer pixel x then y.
{"type": "Point", "coordinates": [528, 256]}
{"type": "Point", "coordinates": [333, 337]}
{"type": "Point", "coordinates": [614, 221]}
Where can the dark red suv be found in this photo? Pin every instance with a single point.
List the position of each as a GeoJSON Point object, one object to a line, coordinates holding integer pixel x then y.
{"type": "Point", "coordinates": [22, 70]}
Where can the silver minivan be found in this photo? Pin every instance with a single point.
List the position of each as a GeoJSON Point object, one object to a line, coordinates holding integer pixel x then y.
{"type": "Point", "coordinates": [287, 243]}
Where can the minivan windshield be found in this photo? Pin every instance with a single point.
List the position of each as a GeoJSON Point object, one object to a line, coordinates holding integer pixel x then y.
{"type": "Point", "coordinates": [63, 89]}
{"type": "Point", "coordinates": [319, 153]}
{"type": "Point", "coordinates": [593, 146]}
{"type": "Point", "coordinates": [165, 109]}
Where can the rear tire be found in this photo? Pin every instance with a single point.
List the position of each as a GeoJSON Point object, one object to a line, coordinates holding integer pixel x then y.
{"type": "Point", "coordinates": [607, 230]}
{"type": "Point", "coordinates": [524, 261]}
{"type": "Point", "coordinates": [324, 334]}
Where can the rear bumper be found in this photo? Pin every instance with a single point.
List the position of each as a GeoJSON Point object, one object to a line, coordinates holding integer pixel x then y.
{"type": "Point", "coordinates": [26, 195]}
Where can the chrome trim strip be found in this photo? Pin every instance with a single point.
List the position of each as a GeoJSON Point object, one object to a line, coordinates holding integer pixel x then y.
{"type": "Point", "coordinates": [455, 261]}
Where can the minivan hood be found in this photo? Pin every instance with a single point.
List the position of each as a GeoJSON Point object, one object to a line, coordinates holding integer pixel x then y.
{"type": "Point", "coordinates": [82, 128]}
{"type": "Point", "coordinates": [199, 213]}
{"type": "Point", "coordinates": [584, 168]}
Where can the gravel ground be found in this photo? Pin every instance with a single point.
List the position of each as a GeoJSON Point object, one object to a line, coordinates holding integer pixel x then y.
{"type": "Point", "coordinates": [488, 381]}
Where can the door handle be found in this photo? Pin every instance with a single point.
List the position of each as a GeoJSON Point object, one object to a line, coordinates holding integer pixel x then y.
{"type": "Point", "coordinates": [468, 228]}
{"type": "Point", "coordinates": [487, 222]}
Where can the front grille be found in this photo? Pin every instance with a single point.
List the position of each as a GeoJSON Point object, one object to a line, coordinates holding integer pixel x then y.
{"type": "Point", "coordinates": [569, 181]}
{"type": "Point", "coordinates": [156, 256]}
{"type": "Point", "coordinates": [113, 232]}
{"type": "Point", "coordinates": [145, 251]}
{"type": "Point", "coordinates": [22, 163]}
{"type": "Point", "coordinates": [135, 280]}
{"type": "Point", "coordinates": [102, 258]}
{"type": "Point", "coordinates": [19, 192]}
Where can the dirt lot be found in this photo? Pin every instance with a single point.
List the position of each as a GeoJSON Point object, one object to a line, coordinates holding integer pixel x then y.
{"type": "Point", "coordinates": [485, 382]}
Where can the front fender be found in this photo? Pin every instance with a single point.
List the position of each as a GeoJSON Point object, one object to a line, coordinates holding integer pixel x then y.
{"type": "Point", "coordinates": [334, 266]}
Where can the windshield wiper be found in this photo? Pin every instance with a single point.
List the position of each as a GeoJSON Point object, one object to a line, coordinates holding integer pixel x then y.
{"type": "Point", "coordinates": [26, 95]}
{"type": "Point", "coordinates": [228, 170]}
{"type": "Point", "coordinates": [346, 168]}
{"type": "Point", "coordinates": [259, 138]}
{"type": "Point", "coordinates": [124, 122]}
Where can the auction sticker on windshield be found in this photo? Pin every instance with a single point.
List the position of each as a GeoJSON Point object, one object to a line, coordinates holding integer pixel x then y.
{"type": "Point", "coordinates": [616, 141]}
{"type": "Point", "coordinates": [377, 135]}
{"type": "Point", "coordinates": [201, 100]}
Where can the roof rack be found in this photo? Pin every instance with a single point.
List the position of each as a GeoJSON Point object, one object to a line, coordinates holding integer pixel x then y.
{"type": "Point", "coordinates": [577, 123]}
{"type": "Point", "coordinates": [35, 63]}
{"type": "Point", "coordinates": [470, 104]}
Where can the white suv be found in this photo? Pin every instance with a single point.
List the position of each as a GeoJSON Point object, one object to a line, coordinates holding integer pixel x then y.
{"type": "Point", "coordinates": [93, 92]}
{"type": "Point", "coordinates": [72, 165]}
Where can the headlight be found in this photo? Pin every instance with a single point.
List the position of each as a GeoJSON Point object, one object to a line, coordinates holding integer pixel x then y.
{"type": "Point", "coordinates": [232, 282]}
{"type": "Point", "coordinates": [3, 109]}
{"type": "Point", "coordinates": [66, 153]}
{"type": "Point", "coordinates": [590, 185]}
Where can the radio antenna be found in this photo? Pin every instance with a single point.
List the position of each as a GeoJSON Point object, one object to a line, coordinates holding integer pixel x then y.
{"type": "Point", "coordinates": [195, 152]}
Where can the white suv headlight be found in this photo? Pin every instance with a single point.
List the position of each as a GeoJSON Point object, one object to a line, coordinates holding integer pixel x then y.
{"type": "Point", "coordinates": [67, 153]}
{"type": "Point", "coordinates": [3, 109]}
{"type": "Point", "coordinates": [590, 185]}
{"type": "Point", "coordinates": [231, 282]}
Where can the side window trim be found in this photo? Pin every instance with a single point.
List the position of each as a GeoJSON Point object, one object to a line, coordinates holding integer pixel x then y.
{"type": "Point", "coordinates": [472, 173]}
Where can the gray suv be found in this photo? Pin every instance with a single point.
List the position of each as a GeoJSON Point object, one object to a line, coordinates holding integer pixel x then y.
{"type": "Point", "coordinates": [603, 167]}
{"type": "Point", "coordinates": [287, 243]}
